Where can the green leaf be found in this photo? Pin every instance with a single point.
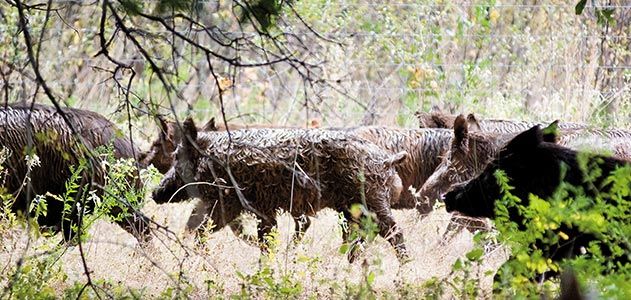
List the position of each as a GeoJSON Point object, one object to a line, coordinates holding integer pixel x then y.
{"type": "Point", "coordinates": [370, 279]}
{"type": "Point", "coordinates": [457, 265]}
{"type": "Point", "coordinates": [344, 248]}
{"type": "Point", "coordinates": [131, 7]}
{"type": "Point", "coordinates": [580, 6]}
{"type": "Point", "coordinates": [604, 16]}
{"type": "Point", "coordinates": [475, 254]}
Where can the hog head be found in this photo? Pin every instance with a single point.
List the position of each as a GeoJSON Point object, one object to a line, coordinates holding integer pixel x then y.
{"type": "Point", "coordinates": [176, 184]}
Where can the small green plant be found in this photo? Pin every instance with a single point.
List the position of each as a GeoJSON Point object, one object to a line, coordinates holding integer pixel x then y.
{"type": "Point", "coordinates": [266, 281]}
{"type": "Point", "coordinates": [121, 193]}
{"type": "Point", "coordinates": [465, 283]}
{"type": "Point", "coordinates": [602, 212]}
{"type": "Point", "coordinates": [34, 278]}
{"type": "Point", "coordinates": [366, 230]}
{"type": "Point", "coordinates": [8, 218]}
{"type": "Point", "coordinates": [102, 288]}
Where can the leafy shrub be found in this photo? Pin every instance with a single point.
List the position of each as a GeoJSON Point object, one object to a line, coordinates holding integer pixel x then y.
{"type": "Point", "coordinates": [606, 215]}
{"type": "Point", "coordinates": [33, 278]}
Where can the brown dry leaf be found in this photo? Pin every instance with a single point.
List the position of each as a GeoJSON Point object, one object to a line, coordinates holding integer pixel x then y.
{"type": "Point", "coordinates": [224, 83]}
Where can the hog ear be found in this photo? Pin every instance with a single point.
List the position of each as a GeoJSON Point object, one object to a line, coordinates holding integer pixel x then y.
{"type": "Point", "coordinates": [423, 119]}
{"type": "Point", "coordinates": [189, 133]}
{"type": "Point", "coordinates": [435, 109]}
{"type": "Point", "coordinates": [210, 125]}
{"type": "Point", "coordinates": [473, 123]}
{"type": "Point", "coordinates": [551, 133]}
{"type": "Point", "coordinates": [164, 126]}
{"type": "Point", "coordinates": [526, 140]}
{"type": "Point", "coordinates": [396, 159]}
{"type": "Point", "coordinates": [440, 120]}
{"type": "Point", "coordinates": [461, 133]}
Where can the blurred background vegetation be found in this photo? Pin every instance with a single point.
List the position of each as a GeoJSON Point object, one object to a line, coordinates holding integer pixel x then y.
{"type": "Point", "coordinates": [356, 62]}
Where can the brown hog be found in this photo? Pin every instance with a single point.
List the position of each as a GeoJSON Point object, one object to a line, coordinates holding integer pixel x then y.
{"type": "Point", "coordinates": [41, 130]}
{"type": "Point", "coordinates": [299, 171]}
{"type": "Point", "coordinates": [161, 156]}
{"type": "Point", "coordinates": [470, 151]}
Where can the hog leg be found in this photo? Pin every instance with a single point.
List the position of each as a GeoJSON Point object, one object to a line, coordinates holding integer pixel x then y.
{"type": "Point", "coordinates": [356, 245]}
{"type": "Point", "coordinates": [302, 223]}
{"type": "Point", "coordinates": [264, 228]}
{"type": "Point", "coordinates": [389, 230]}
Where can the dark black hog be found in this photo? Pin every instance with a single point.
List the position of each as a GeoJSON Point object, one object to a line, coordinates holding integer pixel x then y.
{"type": "Point", "coordinates": [536, 167]}
{"type": "Point", "coordinates": [40, 130]}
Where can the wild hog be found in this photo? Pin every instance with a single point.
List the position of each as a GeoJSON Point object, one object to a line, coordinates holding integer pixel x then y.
{"type": "Point", "coordinates": [42, 131]}
{"type": "Point", "coordinates": [471, 150]}
{"type": "Point", "coordinates": [443, 120]}
{"type": "Point", "coordinates": [161, 155]}
{"type": "Point", "coordinates": [466, 156]}
{"type": "Point", "coordinates": [299, 171]}
{"type": "Point", "coordinates": [534, 166]}
{"type": "Point", "coordinates": [579, 136]}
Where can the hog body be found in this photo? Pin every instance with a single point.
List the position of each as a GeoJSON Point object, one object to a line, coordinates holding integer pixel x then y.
{"type": "Point", "coordinates": [425, 148]}
{"type": "Point", "coordinates": [43, 131]}
{"type": "Point", "coordinates": [534, 166]}
{"type": "Point", "coordinates": [299, 171]}
{"type": "Point", "coordinates": [576, 135]}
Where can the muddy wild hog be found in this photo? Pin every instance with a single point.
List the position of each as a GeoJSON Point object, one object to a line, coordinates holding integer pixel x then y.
{"type": "Point", "coordinates": [579, 136]}
{"type": "Point", "coordinates": [534, 166]}
{"type": "Point", "coordinates": [161, 155]}
{"type": "Point", "coordinates": [443, 120]}
{"type": "Point", "coordinates": [471, 150]}
{"type": "Point", "coordinates": [41, 130]}
{"type": "Point", "coordinates": [299, 171]}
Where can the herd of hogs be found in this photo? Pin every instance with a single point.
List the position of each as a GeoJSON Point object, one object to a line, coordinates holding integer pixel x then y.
{"type": "Point", "coordinates": [261, 169]}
